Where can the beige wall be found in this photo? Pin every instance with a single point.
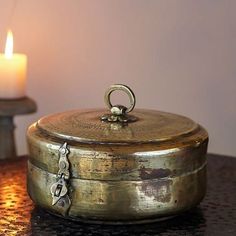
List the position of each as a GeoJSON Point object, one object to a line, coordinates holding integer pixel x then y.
{"type": "Point", "coordinates": [178, 56]}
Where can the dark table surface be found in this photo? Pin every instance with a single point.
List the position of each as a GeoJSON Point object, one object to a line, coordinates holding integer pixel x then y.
{"type": "Point", "coordinates": [216, 215]}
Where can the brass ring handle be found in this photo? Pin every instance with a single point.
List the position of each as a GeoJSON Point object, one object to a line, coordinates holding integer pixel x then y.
{"type": "Point", "coordinates": [123, 88]}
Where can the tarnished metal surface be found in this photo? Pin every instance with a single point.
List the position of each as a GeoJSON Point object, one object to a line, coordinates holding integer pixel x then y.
{"type": "Point", "coordinates": [122, 200]}
{"type": "Point", "coordinates": [115, 162]}
{"type": "Point", "coordinates": [120, 169]}
{"type": "Point", "coordinates": [152, 126]}
{"type": "Point", "coordinates": [216, 215]}
{"type": "Point", "coordinates": [133, 180]}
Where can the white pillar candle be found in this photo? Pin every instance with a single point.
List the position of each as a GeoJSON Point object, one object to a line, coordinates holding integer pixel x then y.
{"type": "Point", "coordinates": [12, 72]}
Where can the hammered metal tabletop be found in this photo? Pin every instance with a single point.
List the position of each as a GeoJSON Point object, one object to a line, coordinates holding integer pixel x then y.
{"type": "Point", "coordinates": [216, 215]}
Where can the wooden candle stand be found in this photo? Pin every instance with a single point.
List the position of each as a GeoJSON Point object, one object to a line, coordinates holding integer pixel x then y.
{"type": "Point", "coordinates": [8, 109]}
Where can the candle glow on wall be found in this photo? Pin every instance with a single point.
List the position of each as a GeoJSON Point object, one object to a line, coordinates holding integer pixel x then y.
{"type": "Point", "coordinates": [12, 72]}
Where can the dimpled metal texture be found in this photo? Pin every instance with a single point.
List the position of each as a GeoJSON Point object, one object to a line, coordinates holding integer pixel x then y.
{"type": "Point", "coordinates": [86, 126]}
{"type": "Point", "coordinates": [216, 215]}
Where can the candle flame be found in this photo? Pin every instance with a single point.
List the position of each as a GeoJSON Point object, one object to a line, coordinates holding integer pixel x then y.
{"type": "Point", "coordinates": [9, 45]}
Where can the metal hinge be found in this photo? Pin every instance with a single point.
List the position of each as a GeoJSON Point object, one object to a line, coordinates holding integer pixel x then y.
{"type": "Point", "coordinates": [59, 190]}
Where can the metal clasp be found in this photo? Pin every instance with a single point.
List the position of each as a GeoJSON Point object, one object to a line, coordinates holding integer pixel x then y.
{"type": "Point", "coordinates": [59, 190]}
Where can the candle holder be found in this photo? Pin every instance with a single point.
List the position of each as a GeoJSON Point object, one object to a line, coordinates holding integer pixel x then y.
{"type": "Point", "coordinates": [8, 109]}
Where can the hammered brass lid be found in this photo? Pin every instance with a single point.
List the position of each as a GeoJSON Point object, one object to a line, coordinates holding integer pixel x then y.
{"type": "Point", "coordinates": [145, 126]}
{"type": "Point", "coordinates": [86, 126]}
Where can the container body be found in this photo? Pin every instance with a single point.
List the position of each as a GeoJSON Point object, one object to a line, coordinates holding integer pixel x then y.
{"type": "Point", "coordinates": [123, 182]}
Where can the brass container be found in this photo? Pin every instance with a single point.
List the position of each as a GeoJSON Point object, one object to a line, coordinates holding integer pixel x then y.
{"type": "Point", "coordinates": [121, 167]}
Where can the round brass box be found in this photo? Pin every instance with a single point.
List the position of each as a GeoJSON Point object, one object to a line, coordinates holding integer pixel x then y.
{"type": "Point", "coordinates": [116, 168]}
